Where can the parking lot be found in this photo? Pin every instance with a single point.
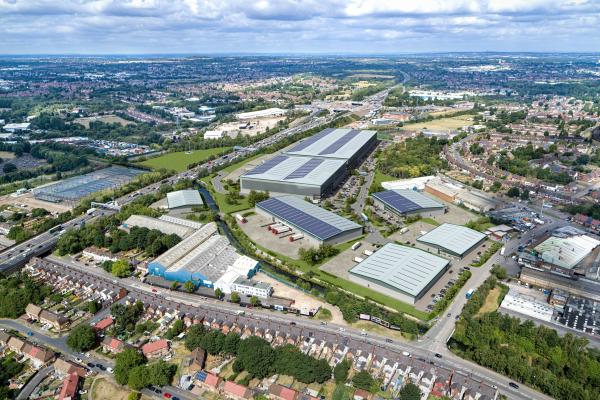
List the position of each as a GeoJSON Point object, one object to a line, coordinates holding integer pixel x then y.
{"type": "Point", "coordinates": [256, 229]}
{"type": "Point", "coordinates": [343, 262]}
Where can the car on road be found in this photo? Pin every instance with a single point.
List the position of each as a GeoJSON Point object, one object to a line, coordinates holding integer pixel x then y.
{"type": "Point", "coordinates": [29, 333]}
{"type": "Point", "coordinates": [91, 365]}
{"type": "Point", "coordinates": [513, 385]}
{"type": "Point", "coordinates": [449, 315]}
{"type": "Point", "coordinates": [167, 395]}
{"type": "Point", "coordinates": [389, 340]}
{"type": "Point", "coordinates": [101, 367]}
{"type": "Point", "coordinates": [438, 355]}
{"type": "Point", "coordinates": [79, 360]}
{"type": "Point", "coordinates": [323, 323]}
{"type": "Point", "coordinates": [292, 323]}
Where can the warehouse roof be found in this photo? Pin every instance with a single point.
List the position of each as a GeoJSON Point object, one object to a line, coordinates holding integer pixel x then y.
{"type": "Point", "coordinates": [184, 198]}
{"type": "Point", "coordinates": [333, 143]}
{"type": "Point", "coordinates": [294, 169]}
{"type": "Point", "coordinates": [181, 221]}
{"type": "Point", "coordinates": [456, 239]}
{"type": "Point", "coordinates": [404, 268]}
{"type": "Point", "coordinates": [307, 217]}
{"type": "Point", "coordinates": [566, 252]}
{"type": "Point", "coordinates": [178, 251]}
{"type": "Point", "coordinates": [404, 201]}
{"type": "Point", "coordinates": [165, 227]}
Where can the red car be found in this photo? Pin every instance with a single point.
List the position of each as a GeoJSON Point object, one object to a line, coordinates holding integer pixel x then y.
{"type": "Point", "coordinates": [154, 290]}
{"type": "Point", "coordinates": [167, 395]}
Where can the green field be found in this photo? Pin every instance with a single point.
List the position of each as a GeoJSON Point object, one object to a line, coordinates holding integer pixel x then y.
{"type": "Point", "coordinates": [180, 160]}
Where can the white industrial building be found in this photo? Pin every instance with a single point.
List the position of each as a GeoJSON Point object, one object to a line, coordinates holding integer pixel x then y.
{"type": "Point", "coordinates": [268, 113]}
{"type": "Point", "coordinates": [455, 240]}
{"type": "Point", "coordinates": [407, 202]}
{"type": "Point", "coordinates": [527, 306]}
{"type": "Point", "coordinates": [214, 134]}
{"type": "Point", "coordinates": [184, 199]}
{"type": "Point", "coordinates": [408, 184]}
{"type": "Point", "coordinates": [18, 127]}
{"type": "Point", "coordinates": [566, 252]}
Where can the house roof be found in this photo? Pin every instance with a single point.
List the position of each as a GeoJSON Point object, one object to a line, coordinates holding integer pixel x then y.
{"type": "Point", "coordinates": [112, 343]}
{"type": "Point", "coordinates": [69, 387]}
{"type": "Point", "coordinates": [33, 309]}
{"type": "Point", "coordinates": [104, 323]}
{"type": "Point", "coordinates": [283, 392]}
{"type": "Point", "coordinates": [152, 347]}
{"type": "Point", "coordinates": [67, 367]}
{"type": "Point", "coordinates": [237, 390]}
{"type": "Point", "coordinates": [212, 379]}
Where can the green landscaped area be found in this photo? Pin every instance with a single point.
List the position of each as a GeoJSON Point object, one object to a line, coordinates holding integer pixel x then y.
{"type": "Point", "coordinates": [180, 160]}
{"type": "Point", "coordinates": [381, 177]}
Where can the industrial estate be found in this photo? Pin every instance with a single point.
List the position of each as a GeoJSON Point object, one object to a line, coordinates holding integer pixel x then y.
{"type": "Point", "coordinates": [238, 228]}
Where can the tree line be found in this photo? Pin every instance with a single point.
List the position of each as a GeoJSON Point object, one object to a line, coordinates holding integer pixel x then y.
{"type": "Point", "coordinates": [562, 367]}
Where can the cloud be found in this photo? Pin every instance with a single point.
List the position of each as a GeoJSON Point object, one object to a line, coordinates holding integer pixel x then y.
{"type": "Point", "coordinates": [359, 26]}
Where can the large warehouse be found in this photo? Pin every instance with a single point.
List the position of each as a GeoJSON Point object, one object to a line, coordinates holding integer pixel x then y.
{"type": "Point", "coordinates": [294, 175]}
{"type": "Point", "coordinates": [456, 240]}
{"type": "Point", "coordinates": [401, 272]}
{"type": "Point", "coordinates": [71, 190]}
{"type": "Point", "coordinates": [317, 224]}
{"type": "Point", "coordinates": [203, 258]}
{"type": "Point", "coordinates": [314, 166]}
{"type": "Point", "coordinates": [349, 145]}
{"type": "Point", "coordinates": [168, 226]}
{"type": "Point", "coordinates": [407, 202]}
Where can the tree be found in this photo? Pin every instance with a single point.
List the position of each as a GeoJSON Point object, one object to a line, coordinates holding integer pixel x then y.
{"type": "Point", "coordinates": [160, 373]}
{"type": "Point", "coordinates": [363, 380]}
{"type": "Point", "coordinates": [82, 338]}
{"type": "Point", "coordinates": [134, 396]}
{"type": "Point", "coordinates": [231, 343]}
{"type": "Point", "coordinates": [9, 167]}
{"type": "Point", "coordinates": [513, 192]}
{"type": "Point", "coordinates": [256, 356]}
{"type": "Point", "coordinates": [127, 360]}
{"type": "Point", "coordinates": [121, 269]}
{"type": "Point", "coordinates": [234, 297]}
{"type": "Point", "coordinates": [255, 301]}
{"type": "Point", "coordinates": [194, 336]}
{"type": "Point", "coordinates": [218, 293]}
{"type": "Point", "coordinates": [93, 307]}
{"type": "Point", "coordinates": [410, 391]}
{"type": "Point", "coordinates": [340, 372]}
{"type": "Point", "coordinates": [189, 286]}
{"type": "Point", "coordinates": [138, 377]}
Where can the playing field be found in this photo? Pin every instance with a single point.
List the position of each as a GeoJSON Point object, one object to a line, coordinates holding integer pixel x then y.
{"type": "Point", "coordinates": [442, 124]}
{"type": "Point", "coordinates": [180, 160]}
{"type": "Point", "coordinates": [107, 119]}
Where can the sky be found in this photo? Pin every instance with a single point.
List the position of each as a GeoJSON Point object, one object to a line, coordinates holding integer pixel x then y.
{"type": "Point", "coordinates": [297, 26]}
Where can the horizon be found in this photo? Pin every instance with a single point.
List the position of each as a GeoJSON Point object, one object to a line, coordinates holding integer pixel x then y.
{"type": "Point", "coordinates": [353, 27]}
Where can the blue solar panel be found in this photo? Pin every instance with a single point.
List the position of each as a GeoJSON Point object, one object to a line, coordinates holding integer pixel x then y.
{"type": "Point", "coordinates": [267, 165]}
{"type": "Point", "coordinates": [302, 220]}
{"type": "Point", "coordinates": [335, 146]}
{"type": "Point", "coordinates": [313, 139]}
{"type": "Point", "coordinates": [305, 168]}
{"type": "Point", "coordinates": [396, 201]}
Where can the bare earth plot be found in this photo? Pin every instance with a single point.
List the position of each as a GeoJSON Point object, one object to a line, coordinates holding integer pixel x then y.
{"type": "Point", "coordinates": [442, 124]}
{"type": "Point", "coordinates": [30, 202]}
{"type": "Point", "coordinates": [107, 119]}
{"type": "Point", "coordinates": [103, 389]}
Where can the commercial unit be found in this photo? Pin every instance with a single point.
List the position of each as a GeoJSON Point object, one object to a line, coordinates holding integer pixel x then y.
{"type": "Point", "coordinates": [184, 199]}
{"type": "Point", "coordinates": [453, 239]}
{"type": "Point", "coordinates": [214, 134]}
{"type": "Point", "coordinates": [455, 193]}
{"type": "Point", "coordinates": [526, 305]}
{"type": "Point", "coordinates": [73, 189]}
{"type": "Point", "coordinates": [252, 288]}
{"type": "Point", "coordinates": [17, 127]}
{"type": "Point", "coordinates": [566, 252]}
{"type": "Point", "coordinates": [302, 176]}
{"type": "Point", "coordinates": [317, 224]}
{"type": "Point", "coordinates": [202, 258]}
{"type": "Point", "coordinates": [408, 184]}
{"type": "Point", "coordinates": [168, 228]}
{"type": "Point", "coordinates": [407, 202]}
{"type": "Point", "coordinates": [402, 272]}
{"type": "Point", "coordinates": [314, 166]}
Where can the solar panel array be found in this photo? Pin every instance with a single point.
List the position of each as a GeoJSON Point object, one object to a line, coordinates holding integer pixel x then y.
{"type": "Point", "coordinates": [397, 201]}
{"type": "Point", "coordinates": [309, 223]}
{"type": "Point", "coordinates": [339, 143]}
{"type": "Point", "coordinates": [305, 169]}
{"type": "Point", "coordinates": [313, 139]}
{"type": "Point", "coordinates": [267, 165]}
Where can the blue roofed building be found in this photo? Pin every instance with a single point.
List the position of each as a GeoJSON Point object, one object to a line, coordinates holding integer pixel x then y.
{"type": "Point", "coordinates": [317, 224]}
{"type": "Point", "coordinates": [407, 202]}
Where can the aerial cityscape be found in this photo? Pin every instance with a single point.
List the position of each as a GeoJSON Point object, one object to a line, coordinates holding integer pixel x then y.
{"type": "Point", "coordinates": [300, 200]}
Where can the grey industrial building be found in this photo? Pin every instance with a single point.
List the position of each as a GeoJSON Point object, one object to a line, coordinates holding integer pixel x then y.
{"type": "Point", "coordinates": [401, 272]}
{"type": "Point", "coordinates": [314, 166]}
{"type": "Point", "coordinates": [184, 199]}
{"type": "Point", "coordinates": [456, 240]}
{"type": "Point", "coordinates": [407, 202]}
{"type": "Point", "coordinates": [317, 224]}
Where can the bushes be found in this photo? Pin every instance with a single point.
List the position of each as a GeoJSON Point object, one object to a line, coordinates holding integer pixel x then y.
{"type": "Point", "coordinates": [314, 256]}
{"type": "Point", "coordinates": [451, 292]}
{"type": "Point", "coordinates": [82, 338]}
